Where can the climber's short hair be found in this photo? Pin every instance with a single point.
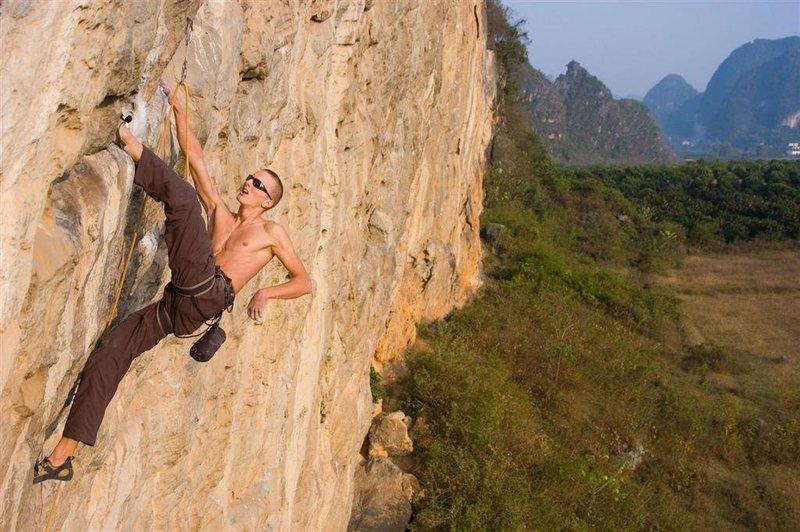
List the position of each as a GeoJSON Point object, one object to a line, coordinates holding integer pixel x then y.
{"type": "Point", "coordinates": [278, 192]}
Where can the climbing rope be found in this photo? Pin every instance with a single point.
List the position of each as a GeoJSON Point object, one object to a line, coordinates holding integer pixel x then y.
{"type": "Point", "coordinates": [166, 126]}
{"type": "Point", "coordinates": [52, 511]}
{"type": "Point", "coordinates": [166, 133]}
{"type": "Point", "coordinates": [118, 293]}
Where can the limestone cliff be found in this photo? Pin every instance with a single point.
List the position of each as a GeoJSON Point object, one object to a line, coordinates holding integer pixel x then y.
{"type": "Point", "coordinates": [376, 114]}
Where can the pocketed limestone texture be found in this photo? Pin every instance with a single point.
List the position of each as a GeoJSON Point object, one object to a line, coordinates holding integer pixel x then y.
{"type": "Point", "coordinates": [376, 114]}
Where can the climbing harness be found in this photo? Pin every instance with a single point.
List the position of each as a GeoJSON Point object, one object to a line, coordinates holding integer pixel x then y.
{"type": "Point", "coordinates": [213, 336]}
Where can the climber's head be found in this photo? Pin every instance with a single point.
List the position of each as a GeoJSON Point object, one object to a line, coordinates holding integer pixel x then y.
{"type": "Point", "coordinates": [262, 188]}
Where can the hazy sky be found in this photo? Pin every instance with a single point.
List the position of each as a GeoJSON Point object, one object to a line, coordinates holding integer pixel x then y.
{"type": "Point", "coordinates": [631, 45]}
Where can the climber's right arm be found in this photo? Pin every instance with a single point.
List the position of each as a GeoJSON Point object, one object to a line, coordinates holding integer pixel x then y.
{"type": "Point", "coordinates": [206, 191]}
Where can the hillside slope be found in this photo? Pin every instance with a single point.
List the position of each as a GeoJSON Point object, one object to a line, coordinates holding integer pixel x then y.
{"type": "Point", "coordinates": [576, 392]}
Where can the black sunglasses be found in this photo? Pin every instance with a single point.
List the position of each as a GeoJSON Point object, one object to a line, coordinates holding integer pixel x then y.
{"type": "Point", "coordinates": [259, 185]}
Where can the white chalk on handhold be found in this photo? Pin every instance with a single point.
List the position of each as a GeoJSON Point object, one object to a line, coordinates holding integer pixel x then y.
{"type": "Point", "coordinates": [148, 245]}
{"type": "Point", "coordinates": [147, 248]}
{"type": "Point", "coordinates": [139, 122]}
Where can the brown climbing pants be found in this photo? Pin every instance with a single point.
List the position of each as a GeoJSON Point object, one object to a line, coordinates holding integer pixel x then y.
{"type": "Point", "coordinates": [193, 269]}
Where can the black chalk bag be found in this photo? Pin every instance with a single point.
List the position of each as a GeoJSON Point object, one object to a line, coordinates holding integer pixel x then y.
{"type": "Point", "coordinates": [208, 344]}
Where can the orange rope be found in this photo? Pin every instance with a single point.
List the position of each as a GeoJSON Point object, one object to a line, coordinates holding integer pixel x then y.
{"type": "Point", "coordinates": [165, 131]}
{"type": "Point", "coordinates": [121, 283]}
{"type": "Point", "coordinates": [185, 126]}
{"type": "Point", "coordinates": [52, 512]}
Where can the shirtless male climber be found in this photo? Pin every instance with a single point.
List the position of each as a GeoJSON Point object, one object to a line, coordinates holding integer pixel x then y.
{"type": "Point", "coordinates": [207, 271]}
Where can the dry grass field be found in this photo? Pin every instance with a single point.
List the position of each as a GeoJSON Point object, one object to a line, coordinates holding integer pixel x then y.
{"type": "Point", "coordinates": [748, 300]}
{"type": "Point", "coordinates": [748, 304]}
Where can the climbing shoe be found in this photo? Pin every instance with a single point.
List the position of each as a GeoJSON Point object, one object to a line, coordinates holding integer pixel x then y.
{"type": "Point", "coordinates": [44, 470]}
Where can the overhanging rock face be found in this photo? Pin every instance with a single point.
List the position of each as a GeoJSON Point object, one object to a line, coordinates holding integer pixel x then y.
{"type": "Point", "coordinates": [376, 114]}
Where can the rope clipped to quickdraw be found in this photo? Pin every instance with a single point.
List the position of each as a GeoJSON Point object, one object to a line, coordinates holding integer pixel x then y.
{"type": "Point", "coordinates": [166, 128]}
{"type": "Point", "coordinates": [166, 124]}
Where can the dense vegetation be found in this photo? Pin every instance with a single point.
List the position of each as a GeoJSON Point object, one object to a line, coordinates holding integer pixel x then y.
{"type": "Point", "coordinates": [562, 398]}
{"type": "Point", "coordinates": [716, 202]}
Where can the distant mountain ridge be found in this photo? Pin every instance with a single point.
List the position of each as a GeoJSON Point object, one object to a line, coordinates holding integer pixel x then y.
{"type": "Point", "coordinates": [668, 95]}
{"type": "Point", "coordinates": [751, 103]}
{"type": "Point", "coordinates": [579, 120]}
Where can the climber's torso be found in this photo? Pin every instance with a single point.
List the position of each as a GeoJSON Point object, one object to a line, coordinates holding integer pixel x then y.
{"type": "Point", "coordinates": [242, 248]}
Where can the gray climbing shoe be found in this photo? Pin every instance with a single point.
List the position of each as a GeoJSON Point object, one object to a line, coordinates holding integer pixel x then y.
{"type": "Point", "coordinates": [44, 470]}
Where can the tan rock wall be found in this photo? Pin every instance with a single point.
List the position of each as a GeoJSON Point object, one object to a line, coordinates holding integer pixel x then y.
{"type": "Point", "coordinates": [377, 114]}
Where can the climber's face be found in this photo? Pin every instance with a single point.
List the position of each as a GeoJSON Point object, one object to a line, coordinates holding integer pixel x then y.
{"type": "Point", "coordinates": [258, 184]}
{"type": "Point", "coordinates": [254, 191]}
{"type": "Point", "coordinates": [262, 188]}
